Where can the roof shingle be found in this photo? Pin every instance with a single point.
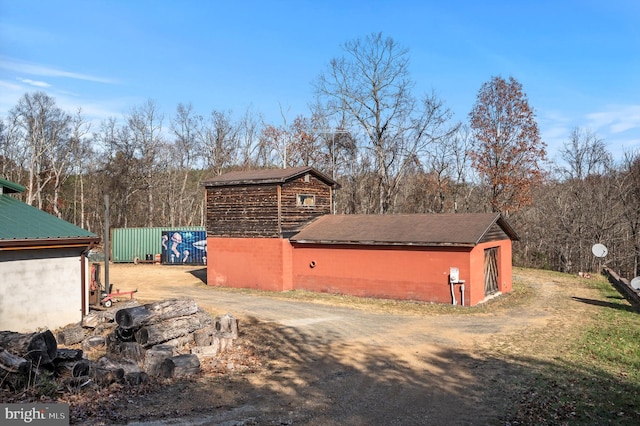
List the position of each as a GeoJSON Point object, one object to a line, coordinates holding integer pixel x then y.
{"type": "Point", "coordinates": [402, 229]}
{"type": "Point", "coordinates": [264, 176]}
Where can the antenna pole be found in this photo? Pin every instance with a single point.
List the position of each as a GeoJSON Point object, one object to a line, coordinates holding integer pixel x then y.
{"type": "Point", "coordinates": [107, 249]}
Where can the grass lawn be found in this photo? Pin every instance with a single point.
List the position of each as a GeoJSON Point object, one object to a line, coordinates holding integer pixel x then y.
{"type": "Point", "coordinates": [593, 376]}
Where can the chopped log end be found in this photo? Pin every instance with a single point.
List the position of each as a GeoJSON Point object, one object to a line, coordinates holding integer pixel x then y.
{"type": "Point", "coordinates": [65, 354]}
{"type": "Point", "coordinates": [135, 379]}
{"type": "Point", "coordinates": [180, 366]}
{"type": "Point", "coordinates": [12, 363]}
{"type": "Point", "coordinates": [71, 335]}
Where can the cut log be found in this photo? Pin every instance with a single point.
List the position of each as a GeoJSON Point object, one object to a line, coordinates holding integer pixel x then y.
{"type": "Point", "coordinates": [106, 377]}
{"type": "Point", "coordinates": [160, 332]}
{"type": "Point", "coordinates": [13, 363]}
{"type": "Point", "coordinates": [205, 317]}
{"type": "Point", "coordinates": [65, 355]}
{"type": "Point", "coordinates": [128, 366]}
{"type": "Point", "coordinates": [151, 313]}
{"type": "Point", "coordinates": [154, 357]}
{"type": "Point", "coordinates": [95, 318]}
{"type": "Point", "coordinates": [73, 368]}
{"type": "Point", "coordinates": [125, 334]}
{"type": "Point", "coordinates": [136, 378]}
{"type": "Point", "coordinates": [41, 348]}
{"type": "Point", "coordinates": [203, 352]}
{"type": "Point", "coordinates": [181, 342]}
{"type": "Point", "coordinates": [204, 336]}
{"type": "Point", "coordinates": [180, 366]}
{"type": "Point", "coordinates": [93, 342]}
{"type": "Point", "coordinates": [71, 335]}
{"type": "Point", "coordinates": [126, 350]}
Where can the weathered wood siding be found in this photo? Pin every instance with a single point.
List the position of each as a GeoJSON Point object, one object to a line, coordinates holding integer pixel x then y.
{"type": "Point", "coordinates": [495, 233]}
{"type": "Point", "coordinates": [243, 211]}
{"type": "Point", "coordinates": [253, 211]}
{"type": "Point", "coordinates": [293, 216]}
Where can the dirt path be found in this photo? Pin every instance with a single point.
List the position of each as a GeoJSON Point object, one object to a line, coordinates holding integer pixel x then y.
{"type": "Point", "coordinates": [325, 365]}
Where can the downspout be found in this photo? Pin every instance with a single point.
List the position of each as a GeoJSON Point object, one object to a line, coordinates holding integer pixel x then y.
{"type": "Point", "coordinates": [83, 277]}
{"type": "Point", "coordinates": [83, 284]}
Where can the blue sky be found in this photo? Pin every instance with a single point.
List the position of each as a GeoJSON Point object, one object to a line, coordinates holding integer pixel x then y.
{"type": "Point", "coordinates": [578, 60]}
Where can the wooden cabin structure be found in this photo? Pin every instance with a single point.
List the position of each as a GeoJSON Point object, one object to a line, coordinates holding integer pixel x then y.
{"type": "Point", "coordinates": [273, 230]}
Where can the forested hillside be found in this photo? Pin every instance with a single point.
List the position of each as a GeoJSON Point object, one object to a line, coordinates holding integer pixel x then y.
{"type": "Point", "coordinates": [391, 152]}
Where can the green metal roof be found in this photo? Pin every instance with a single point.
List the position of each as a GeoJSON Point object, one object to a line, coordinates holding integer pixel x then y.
{"type": "Point", "coordinates": [20, 221]}
{"type": "Point", "coordinates": [7, 187]}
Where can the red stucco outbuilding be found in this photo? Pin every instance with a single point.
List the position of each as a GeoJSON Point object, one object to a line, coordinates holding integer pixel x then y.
{"type": "Point", "coordinates": [272, 230]}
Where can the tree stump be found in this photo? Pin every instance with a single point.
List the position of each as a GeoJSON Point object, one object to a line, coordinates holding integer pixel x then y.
{"type": "Point", "coordinates": [229, 325]}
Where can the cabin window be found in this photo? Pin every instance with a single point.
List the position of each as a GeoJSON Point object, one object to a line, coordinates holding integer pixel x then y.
{"type": "Point", "coordinates": [306, 200]}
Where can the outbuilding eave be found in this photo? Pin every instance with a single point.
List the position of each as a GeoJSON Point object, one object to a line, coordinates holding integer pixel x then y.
{"type": "Point", "coordinates": [50, 243]}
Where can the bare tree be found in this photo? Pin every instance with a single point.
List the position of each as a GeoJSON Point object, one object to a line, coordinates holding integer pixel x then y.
{"type": "Point", "coordinates": [370, 88]}
{"type": "Point", "coordinates": [145, 126]}
{"type": "Point", "coordinates": [628, 191]}
{"type": "Point", "coordinates": [585, 154]}
{"type": "Point", "coordinates": [217, 137]}
{"type": "Point", "coordinates": [248, 140]}
{"type": "Point", "coordinates": [44, 130]}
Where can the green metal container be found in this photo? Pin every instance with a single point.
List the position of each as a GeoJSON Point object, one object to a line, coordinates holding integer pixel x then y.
{"type": "Point", "coordinates": [144, 244]}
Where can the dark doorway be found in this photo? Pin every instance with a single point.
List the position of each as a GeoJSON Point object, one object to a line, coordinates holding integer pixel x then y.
{"type": "Point", "coordinates": [490, 271]}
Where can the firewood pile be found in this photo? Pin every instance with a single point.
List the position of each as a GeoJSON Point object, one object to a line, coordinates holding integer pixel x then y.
{"type": "Point", "coordinates": [166, 339]}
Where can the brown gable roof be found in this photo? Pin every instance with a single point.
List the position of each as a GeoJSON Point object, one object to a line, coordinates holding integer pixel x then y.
{"type": "Point", "coordinates": [403, 229]}
{"type": "Point", "coordinates": [265, 176]}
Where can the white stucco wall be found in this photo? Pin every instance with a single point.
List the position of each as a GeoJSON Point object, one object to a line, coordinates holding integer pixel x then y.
{"type": "Point", "coordinates": [39, 289]}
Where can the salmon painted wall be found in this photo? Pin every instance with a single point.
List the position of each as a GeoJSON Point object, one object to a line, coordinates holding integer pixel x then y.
{"type": "Point", "coordinates": [475, 293]}
{"type": "Point", "coordinates": [387, 272]}
{"type": "Point", "coordinates": [262, 263]}
{"type": "Point", "coordinates": [410, 273]}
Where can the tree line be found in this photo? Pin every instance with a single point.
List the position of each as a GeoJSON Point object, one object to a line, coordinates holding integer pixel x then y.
{"type": "Point", "coordinates": [390, 150]}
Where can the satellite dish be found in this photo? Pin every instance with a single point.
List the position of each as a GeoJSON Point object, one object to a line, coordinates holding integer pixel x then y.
{"type": "Point", "coordinates": [599, 250]}
{"type": "Point", "coordinates": [635, 283]}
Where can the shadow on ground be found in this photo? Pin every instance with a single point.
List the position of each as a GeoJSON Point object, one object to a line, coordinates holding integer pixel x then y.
{"type": "Point", "coordinates": [200, 274]}
{"type": "Point", "coordinates": [620, 306]}
{"type": "Point", "coordinates": [305, 380]}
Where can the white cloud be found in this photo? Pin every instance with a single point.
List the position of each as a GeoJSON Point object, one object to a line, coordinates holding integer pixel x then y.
{"type": "Point", "coordinates": [34, 82]}
{"type": "Point", "coordinates": [616, 118]}
{"type": "Point", "coordinates": [34, 69]}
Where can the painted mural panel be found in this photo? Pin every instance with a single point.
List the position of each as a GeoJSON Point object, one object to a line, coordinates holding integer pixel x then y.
{"type": "Point", "coordinates": [184, 248]}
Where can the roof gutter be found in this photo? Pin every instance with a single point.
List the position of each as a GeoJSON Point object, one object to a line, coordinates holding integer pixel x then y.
{"type": "Point", "coordinates": [384, 243]}
{"type": "Point", "coordinates": [28, 244]}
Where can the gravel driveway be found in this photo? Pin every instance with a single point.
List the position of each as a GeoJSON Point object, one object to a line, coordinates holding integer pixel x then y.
{"type": "Point", "coordinates": [333, 365]}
